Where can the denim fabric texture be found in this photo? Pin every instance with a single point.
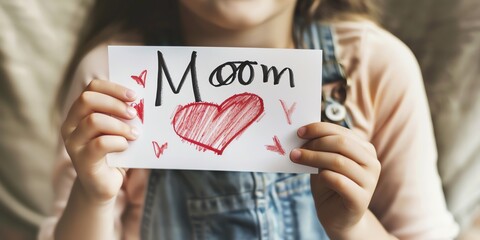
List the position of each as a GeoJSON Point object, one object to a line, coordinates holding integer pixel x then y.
{"type": "Point", "coordinates": [229, 205]}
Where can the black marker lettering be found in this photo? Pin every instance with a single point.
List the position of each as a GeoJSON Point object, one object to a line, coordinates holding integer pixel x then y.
{"type": "Point", "coordinates": [250, 68]}
{"type": "Point", "coordinates": [276, 75]}
{"type": "Point", "coordinates": [219, 76]}
{"type": "Point", "coordinates": [190, 68]}
{"type": "Point", "coordinates": [217, 73]}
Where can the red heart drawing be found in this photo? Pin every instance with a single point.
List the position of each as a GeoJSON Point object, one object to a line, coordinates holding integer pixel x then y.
{"type": "Point", "coordinates": [213, 127]}
{"type": "Point", "coordinates": [140, 79]}
{"type": "Point", "coordinates": [276, 147]}
{"type": "Point", "coordinates": [139, 107]}
{"type": "Point", "coordinates": [159, 149]}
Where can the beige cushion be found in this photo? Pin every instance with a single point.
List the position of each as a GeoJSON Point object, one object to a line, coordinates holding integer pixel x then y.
{"type": "Point", "coordinates": [37, 38]}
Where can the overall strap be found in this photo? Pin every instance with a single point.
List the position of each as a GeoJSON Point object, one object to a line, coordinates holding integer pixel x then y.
{"type": "Point", "coordinates": [320, 36]}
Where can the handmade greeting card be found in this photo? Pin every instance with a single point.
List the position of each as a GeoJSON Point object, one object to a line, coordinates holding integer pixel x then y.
{"type": "Point", "coordinates": [206, 108]}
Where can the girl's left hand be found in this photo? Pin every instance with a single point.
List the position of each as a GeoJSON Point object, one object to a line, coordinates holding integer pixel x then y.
{"type": "Point", "coordinates": [347, 176]}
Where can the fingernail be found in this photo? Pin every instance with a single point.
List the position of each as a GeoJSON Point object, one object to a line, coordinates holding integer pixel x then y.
{"type": "Point", "coordinates": [301, 131]}
{"type": "Point", "coordinates": [295, 155]}
{"type": "Point", "coordinates": [131, 111]}
{"type": "Point", "coordinates": [131, 94]}
{"type": "Point", "coordinates": [134, 132]}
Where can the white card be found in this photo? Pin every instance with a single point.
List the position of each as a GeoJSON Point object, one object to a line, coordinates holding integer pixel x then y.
{"type": "Point", "coordinates": [211, 108]}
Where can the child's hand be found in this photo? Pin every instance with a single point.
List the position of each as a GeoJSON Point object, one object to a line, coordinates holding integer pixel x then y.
{"type": "Point", "coordinates": [347, 177]}
{"type": "Point", "coordinates": [92, 129]}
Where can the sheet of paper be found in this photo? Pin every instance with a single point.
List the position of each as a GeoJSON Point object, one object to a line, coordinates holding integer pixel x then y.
{"type": "Point", "coordinates": [206, 108]}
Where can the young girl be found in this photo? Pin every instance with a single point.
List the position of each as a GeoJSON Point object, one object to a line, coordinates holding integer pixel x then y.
{"type": "Point", "coordinates": [377, 180]}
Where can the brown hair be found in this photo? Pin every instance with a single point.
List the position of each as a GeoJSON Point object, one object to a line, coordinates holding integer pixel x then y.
{"type": "Point", "coordinates": [108, 17]}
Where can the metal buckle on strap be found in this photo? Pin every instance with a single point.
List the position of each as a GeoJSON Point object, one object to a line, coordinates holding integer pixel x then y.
{"type": "Point", "coordinates": [333, 101]}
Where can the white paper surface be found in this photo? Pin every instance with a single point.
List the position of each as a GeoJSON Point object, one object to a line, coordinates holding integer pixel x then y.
{"type": "Point", "coordinates": [244, 124]}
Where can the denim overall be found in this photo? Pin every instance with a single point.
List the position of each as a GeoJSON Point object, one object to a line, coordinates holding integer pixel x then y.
{"type": "Point", "coordinates": [185, 204]}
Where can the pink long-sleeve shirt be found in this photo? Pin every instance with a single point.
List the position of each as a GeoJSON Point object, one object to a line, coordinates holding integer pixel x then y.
{"type": "Point", "coordinates": [388, 106]}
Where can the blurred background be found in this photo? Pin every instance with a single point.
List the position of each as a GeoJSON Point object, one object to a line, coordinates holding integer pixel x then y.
{"type": "Point", "coordinates": [37, 38]}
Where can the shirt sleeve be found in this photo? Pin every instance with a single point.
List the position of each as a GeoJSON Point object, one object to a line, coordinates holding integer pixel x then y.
{"type": "Point", "coordinates": [409, 199]}
{"type": "Point", "coordinates": [93, 66]}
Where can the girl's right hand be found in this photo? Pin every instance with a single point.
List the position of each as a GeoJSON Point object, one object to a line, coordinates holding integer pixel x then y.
{"type": "Point", "coordinates": [92, 129]}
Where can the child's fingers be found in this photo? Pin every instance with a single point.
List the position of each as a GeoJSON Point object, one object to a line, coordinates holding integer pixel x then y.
{"type": "Point", "coordinates": [97, 124]}
{"type": "Point", "coordinates": [344, 145]}
{"type": "Point", "coordinates": [354, 197]}
{"type": "Point", "coordinates": [334, 162]}
{"type": "Point", "coordinates": [95, 151]}
{"type": "Point", "coordinates": [323, 129]}
{"type": "Point", "coordinates": [90, 102]}
{"type": "Point", "coordinates": [111, 89]}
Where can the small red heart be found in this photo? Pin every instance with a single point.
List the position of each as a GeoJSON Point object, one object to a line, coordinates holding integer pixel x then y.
{"type": "Point", "coordinates": [139, 108]}
{"type": "Point", "coordinates": [276, 147]}
{"type": "Point", "coordinates": [159, 149]}
{"type": "Point", "coordinates": [213, 127]}
{"type": "Point", "coordinates": [140, 79]}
